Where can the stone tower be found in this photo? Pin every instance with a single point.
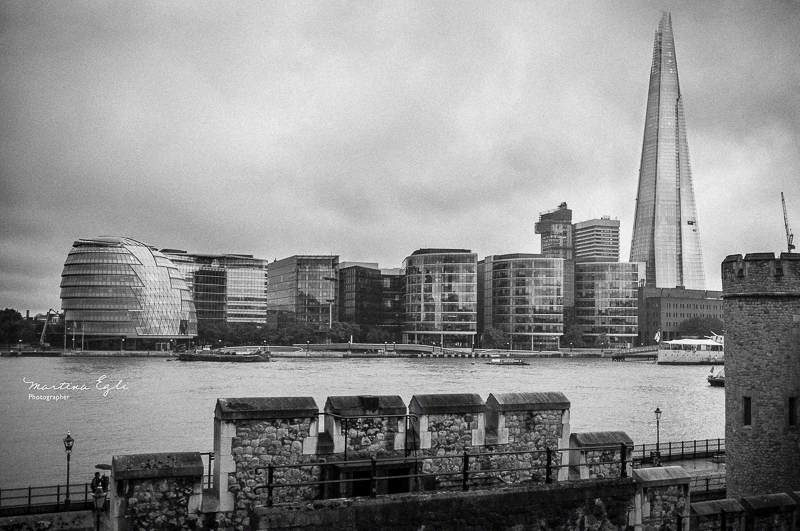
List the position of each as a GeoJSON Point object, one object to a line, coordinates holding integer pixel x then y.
{"type": "Point", "coordinates": [761, 311]}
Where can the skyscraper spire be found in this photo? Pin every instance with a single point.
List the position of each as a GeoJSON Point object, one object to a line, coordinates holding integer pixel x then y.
{"type": "Point", "coordinates": [665, 231]}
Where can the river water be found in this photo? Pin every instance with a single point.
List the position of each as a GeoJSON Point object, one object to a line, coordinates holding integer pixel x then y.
{"type": "Point", "coordinates": [143, 405]}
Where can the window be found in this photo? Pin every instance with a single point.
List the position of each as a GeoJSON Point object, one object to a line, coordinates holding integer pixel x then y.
{"type": "Point", "coordinates": [792, 411]}
{"type": "Point", "coordinates": [747, 410]}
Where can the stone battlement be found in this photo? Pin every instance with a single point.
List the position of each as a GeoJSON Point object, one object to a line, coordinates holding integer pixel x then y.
{"type": "Point", "coordinates": [761, 274]}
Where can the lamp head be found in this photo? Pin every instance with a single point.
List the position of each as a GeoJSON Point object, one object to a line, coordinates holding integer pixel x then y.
{"type": "Point", "coordinates": [658, 413]}
{"type": "Point", "coordinates": [68, 443]}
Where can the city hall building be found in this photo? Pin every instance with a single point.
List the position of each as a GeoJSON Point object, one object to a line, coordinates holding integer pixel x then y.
{"type": "Point", "coordinates": [120, 294]}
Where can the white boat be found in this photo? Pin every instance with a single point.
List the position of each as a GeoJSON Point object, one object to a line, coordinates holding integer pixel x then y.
{"type": "Point", "coordinates": [707, 351]}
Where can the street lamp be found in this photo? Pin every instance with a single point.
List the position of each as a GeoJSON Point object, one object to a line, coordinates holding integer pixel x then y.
{"type": "Point", "coordinates": [68, 443]}
{"type": "Point", "coordinates": [658, 437]}
{"type": "Point", "coordinates": [99, 499]}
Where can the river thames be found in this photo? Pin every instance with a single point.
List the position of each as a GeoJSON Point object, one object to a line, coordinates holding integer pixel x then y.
{"type": "Point", "coordinates": [142, 405]}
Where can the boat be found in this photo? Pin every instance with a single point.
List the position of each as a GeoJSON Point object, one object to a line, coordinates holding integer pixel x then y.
{"type": "Point", "coordinates": [706, 351]}
{"type": "Point", "coordinates": [506, 361]}
{"type": "Point", "coordinates": [225, 355]}
{"type": "Point", "coordinates": [718, 379]}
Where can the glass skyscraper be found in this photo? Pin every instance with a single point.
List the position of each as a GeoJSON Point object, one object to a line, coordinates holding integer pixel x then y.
{"type": "Point", "coordinates": [665, 232]}
{"type": "Point", "coordinates": [441, 299]}
{"type": "Point", "coordinates": [113, 289]}
{"type": "Point", "coordinates": [302, 290]}
{"type": "Point", "coordinates": [522, 294]}
{"type": "Point", "coordinates": [227, 288]}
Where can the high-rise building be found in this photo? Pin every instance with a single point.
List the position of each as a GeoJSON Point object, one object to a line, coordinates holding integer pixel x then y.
{"type": "Point", "coordinates": [522, 294]}
{"type": "Point", "coordinates": [555, 226]}
{"type": "Point", "coordinates": [302, 290]}
{"type": "Point", "coordinates": [117, 289]}
{"type": "Point", "coordinates": [372, 298]}
{"type": "Point", "coordinates": [665, 232]}
{"type": "Point", "coordinates": [606, 301]}
{"type": "Point", "coordinates": [596, 240]}
{"type": "Point", "coordinates": [441, 297]}
{"type": "Point", "coordinates": [227, 288]}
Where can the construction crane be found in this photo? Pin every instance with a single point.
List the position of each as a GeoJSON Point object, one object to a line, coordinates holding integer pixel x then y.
{"type": "Point", "coordinates": [42, 341]}
{"type": "Point", "coordinates": [789, 235]}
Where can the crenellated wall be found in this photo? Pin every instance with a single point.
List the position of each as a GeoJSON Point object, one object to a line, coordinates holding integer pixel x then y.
{"type": "Point", "coordinates": [530, 423]}
{"type": "Point", "coordinates": [156, 491]}
{"type": "Point", "coordinates": [761, 312]}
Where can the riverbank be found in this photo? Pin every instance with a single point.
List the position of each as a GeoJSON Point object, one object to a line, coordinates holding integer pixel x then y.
{"type": "Point", "coordinates": [314, 353]}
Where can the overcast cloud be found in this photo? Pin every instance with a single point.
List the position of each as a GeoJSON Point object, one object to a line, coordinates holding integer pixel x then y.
{"type": "Point", "coordinates": [372, 129]}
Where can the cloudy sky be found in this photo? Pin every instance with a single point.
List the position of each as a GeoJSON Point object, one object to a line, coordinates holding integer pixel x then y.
{"type": "Point", "coordinates": [372, 129]}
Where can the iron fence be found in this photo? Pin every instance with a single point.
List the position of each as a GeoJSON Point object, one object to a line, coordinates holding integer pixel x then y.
{"type": "Point", "coordinates": [51, 497]}
{"type": "Point", "coordinates": [679, 450]}
{"type": "Point", "coordinates": [473, 470]}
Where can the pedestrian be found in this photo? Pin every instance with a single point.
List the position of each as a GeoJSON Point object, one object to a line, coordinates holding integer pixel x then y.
{"type": "Point", "coordinates": [96, 482]}
{"type": "Point", "coordinates": [104, 482]}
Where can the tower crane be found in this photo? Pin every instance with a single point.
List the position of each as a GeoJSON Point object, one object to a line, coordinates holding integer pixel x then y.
{"type": "Point", "coordinates": [789, 235]}
{"type": "Point", "coordinates": [42, 341]}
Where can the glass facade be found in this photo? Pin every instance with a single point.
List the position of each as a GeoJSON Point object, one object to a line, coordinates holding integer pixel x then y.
{"type": "Point", "coordinates": [360, 293]}
{"type": "Point", "coordinates": [440, 297]}
{"type": "Point", "coordinates": [115, 288]}
{"type": "Point", "coordinates": [227, 288]}
{"type": "Point", "coordinates": [665, 232]}
{"type": "Point", "coordinates": [302, 289]}
{"type": "Point", "coordinates": [522, 294]}
{"type": "Point", "coordinates": [606, 300]}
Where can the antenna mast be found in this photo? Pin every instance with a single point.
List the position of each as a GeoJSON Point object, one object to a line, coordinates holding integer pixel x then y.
{"type": "Point", "coordinates": [789, 235]}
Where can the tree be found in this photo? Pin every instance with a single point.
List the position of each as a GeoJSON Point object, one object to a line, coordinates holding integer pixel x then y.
{"type": "Point", "coordinates": [700, 327]}
{"type": "Point", "coordinates": [377, 335]}
{"type": "Point", "coordinates": [341, 332]}
{"type": "Point", "coordinates": [601, 340]}
{"type": "Point", "coordinates": [573, 337]}
{"type": "Point", "coordinates": [494, 338]}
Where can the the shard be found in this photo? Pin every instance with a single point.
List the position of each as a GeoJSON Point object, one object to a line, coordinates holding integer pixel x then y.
{"type": "Point", "coordinates": [666, 235]}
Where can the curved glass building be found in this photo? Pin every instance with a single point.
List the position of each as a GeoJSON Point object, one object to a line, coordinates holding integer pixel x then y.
{"type": "Point", "coordinates": [441, 298]}
{"type": "Point", "coordinates": [117, 289]}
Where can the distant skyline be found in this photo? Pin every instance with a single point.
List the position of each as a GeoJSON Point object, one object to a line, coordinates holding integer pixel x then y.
{"type": "Point", "coordinates": [370, 130]}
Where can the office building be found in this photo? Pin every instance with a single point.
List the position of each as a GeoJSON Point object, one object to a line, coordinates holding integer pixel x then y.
{"type": "Point", "coordinates": [596, 240]}
{"type": "Point", "coordinates": [371, 298]}
{"type": "Point", "coordinates": [227, 288]}
{"type": "Point", "coordinates": [440, 297]}
{"type": "Point", "coordinates": [606, 301]}
{"type": "Point", "coordinates": [662, 310]}
{"type": "Point", "coordinates": [118, 293]}
{"type": "Point", "coordinates": [665, 231]}
{"type": "Point", "coordinates": [522, 294]}
{"type": "Point", "coordinates": [555, 226]}
{"type": "Point", "coordinates": [302, 290]}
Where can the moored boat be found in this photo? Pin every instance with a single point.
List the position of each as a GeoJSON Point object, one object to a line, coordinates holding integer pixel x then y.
{"type": "Point", "coordinates": [506, 361]}
{"type": "Point", "coordinates": [718, 379]}
{"type": "Point", "coordinates": [707, 351]}
{"type": "Point", "coordinates": [224, 355]}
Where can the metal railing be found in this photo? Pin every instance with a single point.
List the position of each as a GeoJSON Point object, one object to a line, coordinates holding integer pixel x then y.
{"type": "Point", "coordinates": [679, 450]}
{"type": "Point", "coordinates": [50, 498]}
{"type": "Point", "coordinates": [456, 472]}
{"type": "Point", "coordinates": [708, 483]}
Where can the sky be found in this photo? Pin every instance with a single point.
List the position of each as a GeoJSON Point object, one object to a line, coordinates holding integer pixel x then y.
{"type": "Point", "coordinates": [371, 129]}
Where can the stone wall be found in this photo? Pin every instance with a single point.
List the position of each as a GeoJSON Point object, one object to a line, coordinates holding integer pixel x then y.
{"type": "Point", "coordinates": [74, 521]}
{"type": "Point", "coordinates": [606, 505]}
{"type": "Point", "coordinates": [366, 426]}
{"type": "Point", "coordinates": [156, 491]}
{"type": "Point", "coordinates": [599, 454]}
{"type": "Point", "coordinates": [249, 435]}
{"type": "Point", "coordinates": [530, 423]}
{"type": "Point", "coordinates": [662, 495]}
{"type": "Point", "coordinates": [761, 311]}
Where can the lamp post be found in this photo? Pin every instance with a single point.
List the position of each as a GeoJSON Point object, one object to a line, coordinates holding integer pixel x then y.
{"type": "Point", "coordinates": [99, 500]}
{"type": "Point", "coordinates": [657, 460]}
{"type": "Point", "coordinates": [68, 443]}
